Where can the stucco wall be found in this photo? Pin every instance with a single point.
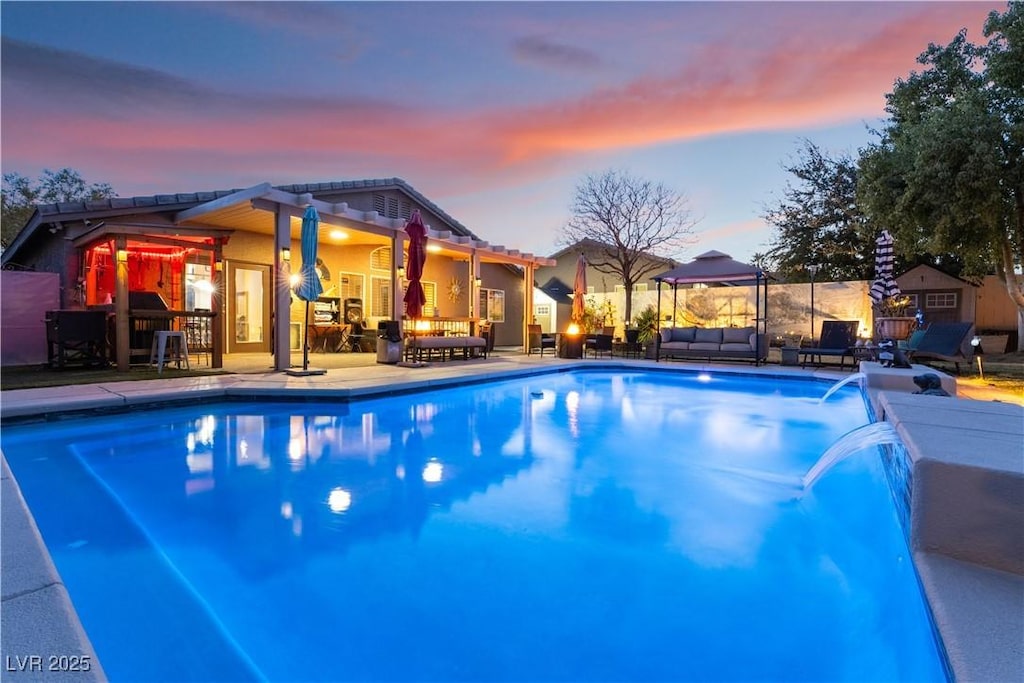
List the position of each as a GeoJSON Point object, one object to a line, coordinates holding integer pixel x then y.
{"type": "Point", "coordinates": [789, 306]}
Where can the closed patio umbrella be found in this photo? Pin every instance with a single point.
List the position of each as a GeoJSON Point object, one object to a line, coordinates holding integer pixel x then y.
{"type": "Point", "coordinates": [885, 284]}
{"type": "Point", "coordinates": [579, 290]}
{"type": "Point", "coordinates": [309, 287]}
{"type": "Point", "coordinates": [414, 295]}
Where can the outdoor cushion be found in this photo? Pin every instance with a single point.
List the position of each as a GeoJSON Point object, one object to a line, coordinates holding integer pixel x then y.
{"type": "Point", "coordinates": [707, 346]}
{"type": "Point", "coordinates": [736, 346]}
{"type": "Point", "coordinates": [736, 335]}
{"type": "Point", "coordinates": [683, 334]}
{"type": "Point", "coordinates": [711, 335]}
{"type": "Point", "coordinates": [666, 334]}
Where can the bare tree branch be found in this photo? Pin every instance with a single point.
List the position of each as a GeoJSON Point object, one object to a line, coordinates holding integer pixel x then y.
{"type": "Point", "coordinates": [629, 220]}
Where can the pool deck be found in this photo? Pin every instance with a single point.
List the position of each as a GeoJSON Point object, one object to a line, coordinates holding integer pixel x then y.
{"type": "Point", "coordinates": [967, 520]}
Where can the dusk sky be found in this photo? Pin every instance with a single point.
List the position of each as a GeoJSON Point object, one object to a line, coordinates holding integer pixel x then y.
{"type": "Point", "coordinates": [495, 111]}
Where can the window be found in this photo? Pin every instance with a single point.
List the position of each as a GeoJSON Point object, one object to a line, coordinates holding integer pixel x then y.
{"type": "Point", "coordinates": [430, 292]}
{"type": "Point", "coordinates": [542, 310]}
{"type": "Point", "coordinates": [392, 207]}
{"type": "Point", "coordinates": [492, 305]}
{"type": "Point", "coordinates": [940, 300]}
{"type": "Point", "coordinates": [350, 285]}
{"type": "Point", "coordinates": [380, 259]}
{"type": "Point", "coordinates": [914, 302]}
{"type": "Point", "coordinates": [637, 288]}
{"type": "Point", "coordinates": [380, 302]}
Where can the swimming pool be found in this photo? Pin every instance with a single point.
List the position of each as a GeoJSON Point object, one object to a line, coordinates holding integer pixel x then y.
{"type": "Point", "coordinates": [575, 526]}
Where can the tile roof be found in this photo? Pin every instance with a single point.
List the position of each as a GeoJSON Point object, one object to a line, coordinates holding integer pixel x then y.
{"type": "Point", "coordinates": [194, 198]}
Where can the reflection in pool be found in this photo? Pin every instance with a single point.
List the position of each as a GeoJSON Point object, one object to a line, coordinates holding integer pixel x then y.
{"type": "Point", "coordinates": [574, 526]}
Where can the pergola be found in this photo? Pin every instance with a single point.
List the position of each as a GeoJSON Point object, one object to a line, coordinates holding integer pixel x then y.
{"type": "Point", "coordinates": [268, 210]}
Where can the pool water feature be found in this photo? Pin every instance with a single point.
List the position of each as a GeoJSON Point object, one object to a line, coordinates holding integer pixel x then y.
{"type": "Point", "coordinates": [854, 442]}
{"type": "Point", "coordinates": [619, 526]}
{"type": "Point", "coordinates": [855, 377]}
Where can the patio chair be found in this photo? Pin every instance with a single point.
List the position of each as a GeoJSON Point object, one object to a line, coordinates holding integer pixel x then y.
{"type": "Point", "coordinates": [598, 344]}
{"type": "Point", "coordinates": [351, 338]}
{"type": "Point", "coordinates": [838, 338]}
{"type": "Point", "coordinates": [950, 342]}
{"type": "Point", "coordinates": [539, 341]}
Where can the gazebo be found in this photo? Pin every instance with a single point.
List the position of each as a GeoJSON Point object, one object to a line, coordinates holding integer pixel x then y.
{"type": "Point", "coordinates": [714, 267]}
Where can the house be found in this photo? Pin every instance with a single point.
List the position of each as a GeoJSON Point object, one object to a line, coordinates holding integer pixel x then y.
{"type": "Point", "coordinates": [600, 280]}
{"type": "Point", "coordinates": [226, 257]}
{"type": "Point", "coordinates": [552, 305]}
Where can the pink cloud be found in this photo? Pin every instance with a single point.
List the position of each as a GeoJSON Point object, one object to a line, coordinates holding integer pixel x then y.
{"type": "Point", "coordinates": [804, 78]}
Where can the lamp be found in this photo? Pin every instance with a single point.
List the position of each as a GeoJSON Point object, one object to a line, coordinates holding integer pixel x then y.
{"type": "Point", "coordinates": [401, 272]}
{"type": "Point", "coordinates": [978, 353]}
{"type": "Point", "coordinates": [286, 254]}
{"type": "Point", "coordinates": [478, 281]}
{"type": "Point", "coordinates": [122, 256]}
{"type": "Point", "coordinates": [812, 269]}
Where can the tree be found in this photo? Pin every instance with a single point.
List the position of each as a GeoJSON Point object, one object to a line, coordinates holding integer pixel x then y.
{"type": "Point", "coordinates": [818, 221]}
{"type": "Point", "coordinates": [947, 172]}
{"type": "Point", "coordinates": [20, 195]}
{"type": "Point", "coordinates": [629, 220]}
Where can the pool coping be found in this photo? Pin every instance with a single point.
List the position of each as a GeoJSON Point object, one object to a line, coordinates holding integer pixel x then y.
{"type": "Point", "coordinates": [56, 629]}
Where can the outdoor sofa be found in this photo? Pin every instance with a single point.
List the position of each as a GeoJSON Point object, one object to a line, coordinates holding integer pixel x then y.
{"type": "Point", "coordinates": [728, 343]}
{"type": "Point", "coordinates": [444, 347]}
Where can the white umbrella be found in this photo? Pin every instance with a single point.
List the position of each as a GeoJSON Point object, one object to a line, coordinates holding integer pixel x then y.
{"type": "Point", "coordinates": [885, 285]}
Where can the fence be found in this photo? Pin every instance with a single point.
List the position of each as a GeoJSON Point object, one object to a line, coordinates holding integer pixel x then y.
{"type": "Point", "coordinates": [788, 310]}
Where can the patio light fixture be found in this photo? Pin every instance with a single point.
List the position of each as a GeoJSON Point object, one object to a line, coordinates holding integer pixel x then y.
{"type": "Point", "coordinates": [286, 254]}
{"type": "Point", "coordinates": [122, 256]}
{"type": "Point", "coordinates": [978, 352]}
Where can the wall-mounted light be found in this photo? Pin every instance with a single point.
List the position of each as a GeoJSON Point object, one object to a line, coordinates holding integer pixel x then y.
{"type": "Point", "coordinates": [479, 282]}
{"type": "Point", "coordinates": [294, 279]}
{"type": "Point", "coordinates": [218, 265]}
{"type": "Point", "coordinates": [286, 254]}
{"type": "Point", "coordinates": [401, 272]}
{"type": "Point", "coordinates": [122, 256]}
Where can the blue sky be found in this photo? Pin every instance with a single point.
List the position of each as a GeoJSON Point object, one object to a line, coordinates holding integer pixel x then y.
{"type": "Point", "coordinates": [493, 110]}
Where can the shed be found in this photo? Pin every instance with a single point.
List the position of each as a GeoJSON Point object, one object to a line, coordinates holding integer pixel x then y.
{"type": "Point", "coordinates": [941, 297]}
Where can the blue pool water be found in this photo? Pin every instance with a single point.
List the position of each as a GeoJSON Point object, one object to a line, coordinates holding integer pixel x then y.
{"type": "Point", "coordinates": [586, 526]}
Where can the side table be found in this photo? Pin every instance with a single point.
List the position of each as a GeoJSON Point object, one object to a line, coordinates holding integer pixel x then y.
{"type": "Point", "coordinates": [790, 355]}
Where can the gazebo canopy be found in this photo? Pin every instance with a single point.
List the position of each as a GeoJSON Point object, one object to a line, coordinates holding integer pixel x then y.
{"type": "Point", "coordinates": [713, 266]}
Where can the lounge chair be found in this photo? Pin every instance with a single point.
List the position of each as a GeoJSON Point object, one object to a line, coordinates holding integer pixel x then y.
{"type": "Point", "coordinates": [950, 342]}
{"type": "Point", "coordinates": [838, 338]}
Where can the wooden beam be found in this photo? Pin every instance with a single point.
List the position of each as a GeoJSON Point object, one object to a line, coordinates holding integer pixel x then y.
{"type": "Point", "coordinates": [280, 285]}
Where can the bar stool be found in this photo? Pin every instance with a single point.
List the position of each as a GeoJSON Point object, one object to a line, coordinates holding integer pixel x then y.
{"type": "Point", "coordinates": [158, 352]}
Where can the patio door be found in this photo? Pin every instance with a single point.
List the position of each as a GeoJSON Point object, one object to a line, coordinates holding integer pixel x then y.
{"type": "Point", "coordinates": [248, 307]}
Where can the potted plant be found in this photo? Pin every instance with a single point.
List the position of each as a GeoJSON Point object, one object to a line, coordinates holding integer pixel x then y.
{"type": "Point", "coordinates": [891, 320]}
{"type": "Point", "coordinates": [646, 321]}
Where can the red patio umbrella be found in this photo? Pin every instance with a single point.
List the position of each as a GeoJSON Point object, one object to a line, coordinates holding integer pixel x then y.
{"type": "Point", "coordinates": [579, 290]}
{"type": "Point", "coordinates": [414, 296]}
